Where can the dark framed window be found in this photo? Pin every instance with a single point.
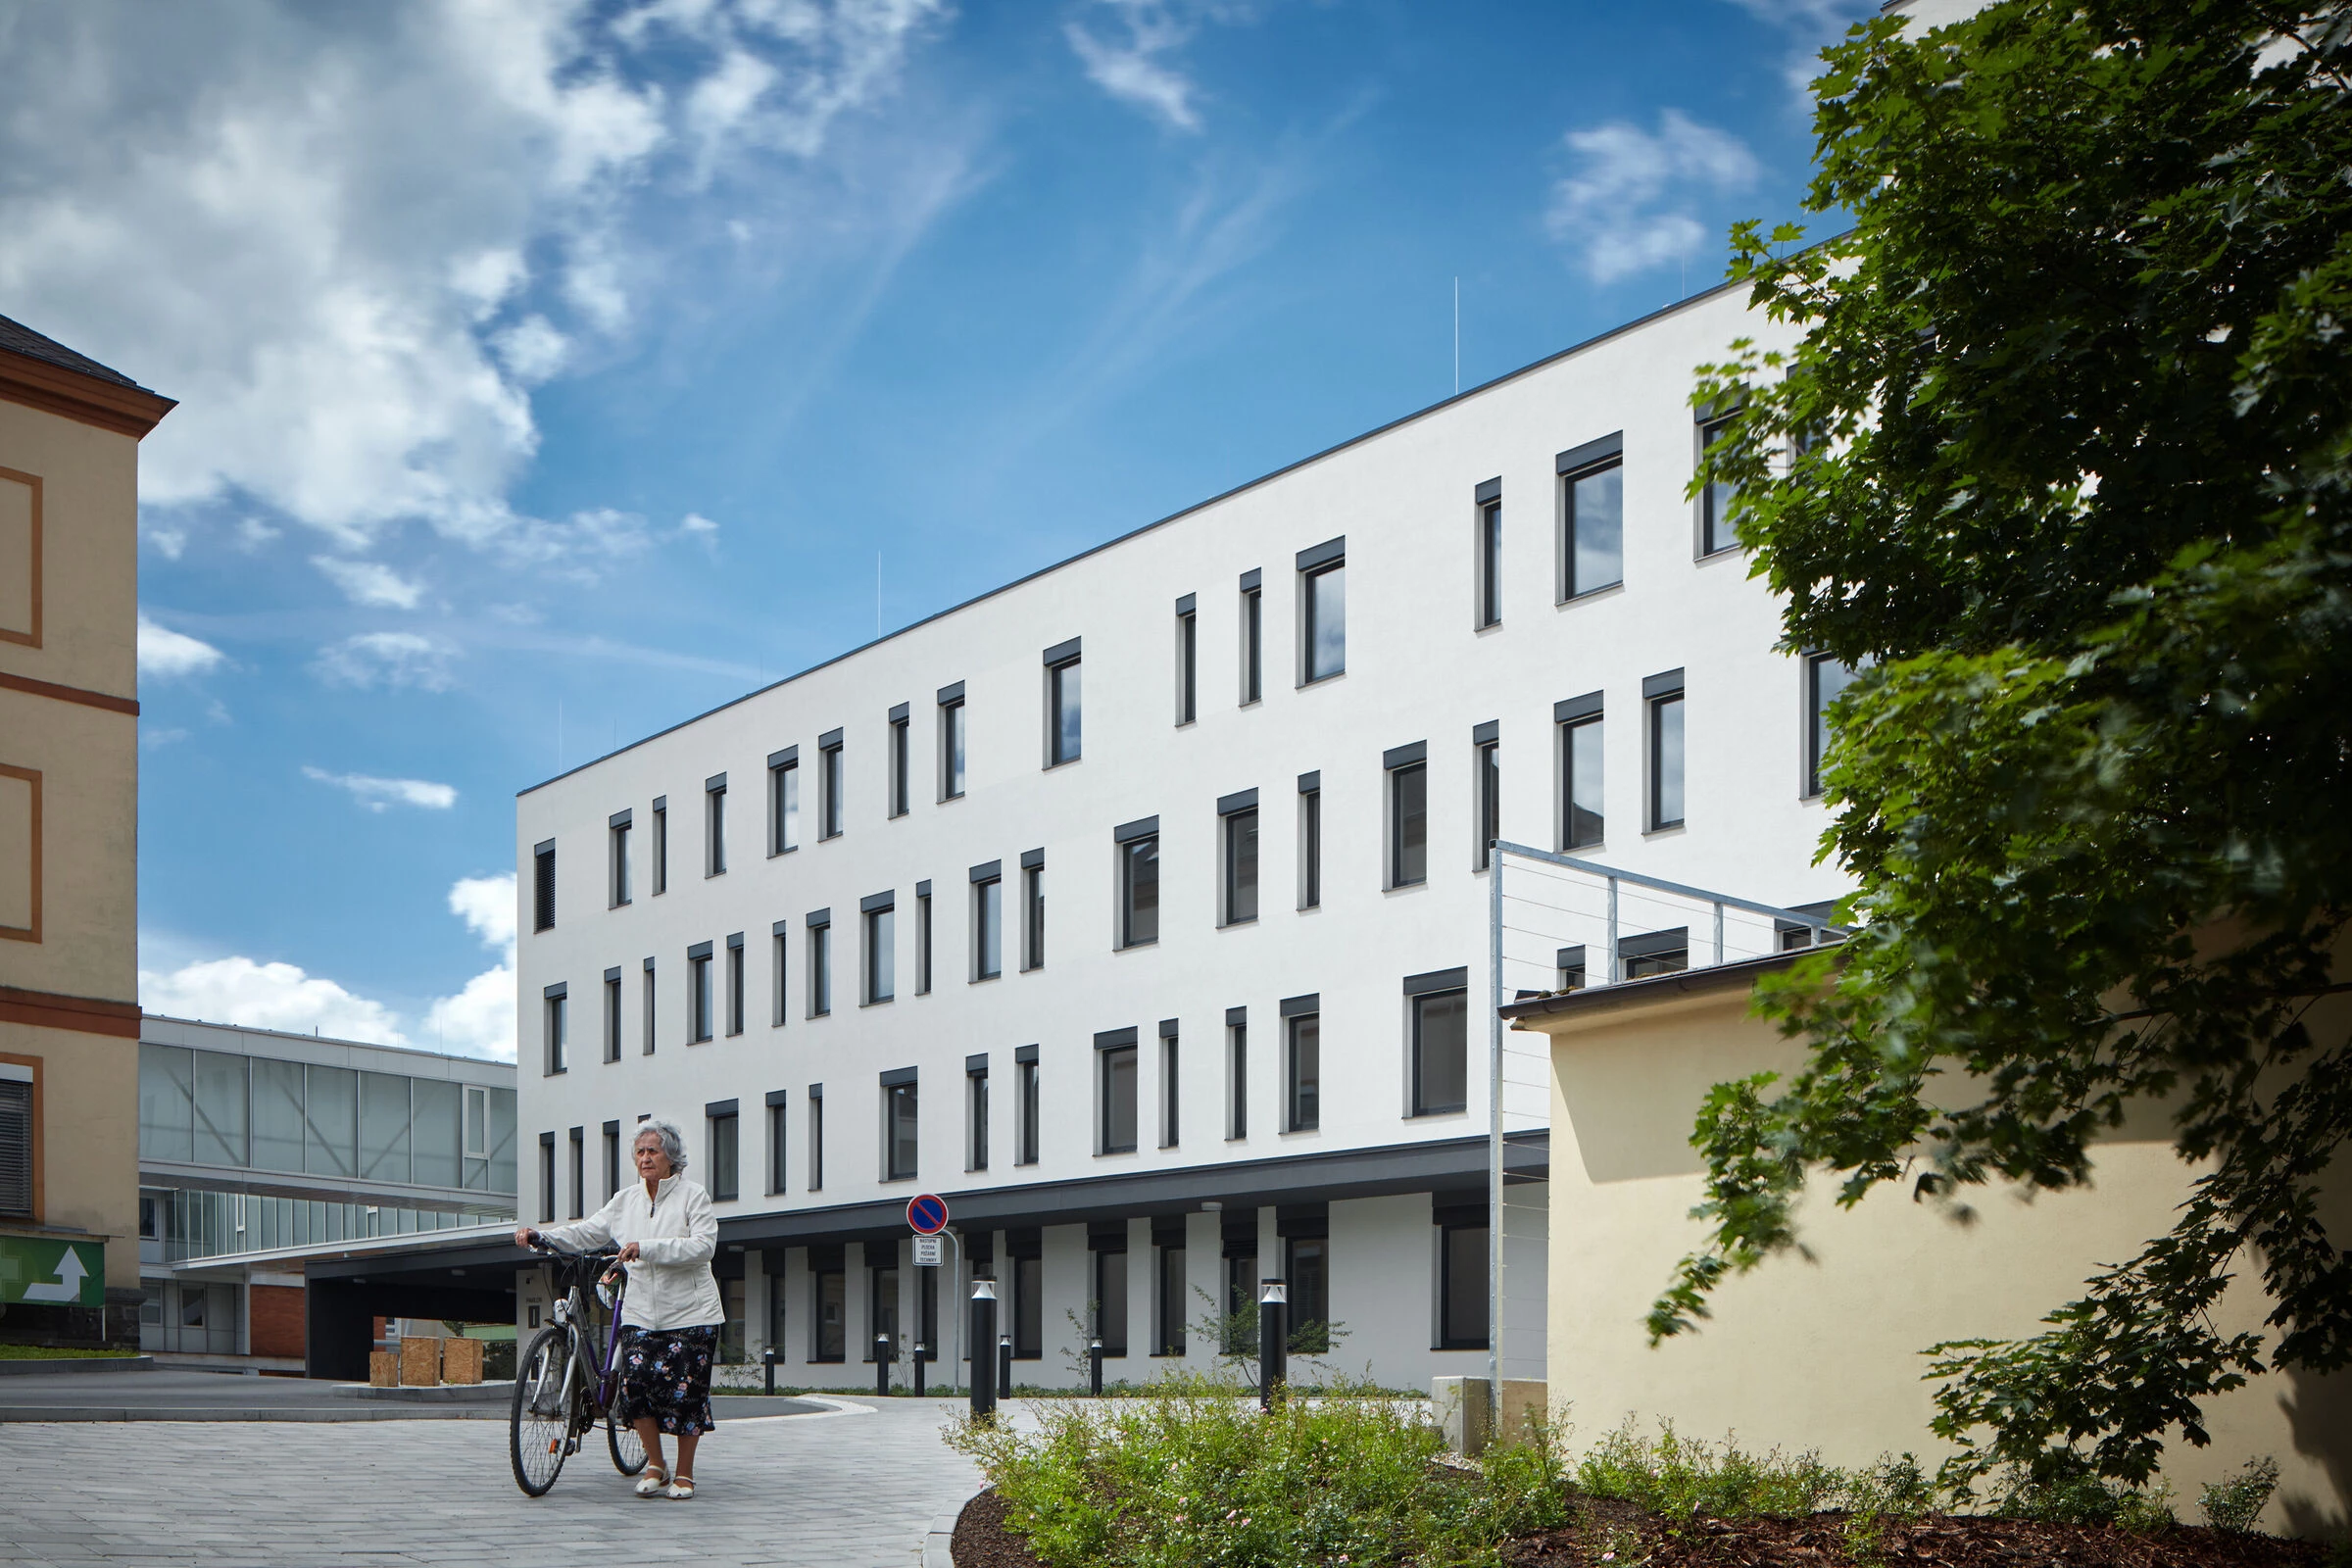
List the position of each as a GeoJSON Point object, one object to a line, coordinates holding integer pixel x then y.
{"type": "Point", "coordinates": [1063, 711]}
{"type": "Point", "coordinates": [778, 1141]}
{"type": "Point", "coordinates": [816, 1137]}
{"type": "Point", "coordinates": [1306, 1265]}
{"type": "Point", "coordinates": [899, 1130]}
{"type": "Point", "coordinates": [1110, 1294]}
{"type": "Point", "coordinates": [1408, 823]}
{"type": "Point", "coordinates": [660, 844]}
{"type": "Point", "coordinates": [1487, 778]}
{"type": "Point", "coordinates": [829, 788]}
{"type": "Point", "coordinates": [1717, 519]}
{"type": "Point", "coordinates": [882, 1311]}
{"type": "Point", "coordinates": [951, 742]}
{"type": "Point", "coordinates": [699, 999]}
{"type": "Point", "coordinates": [1253, 640]}
{"type": "Point", "coordinates": [1174, 1298]}
{"type": "Point", "coordinates": [975, 1117]}
{"type": "Point", "coordinates": [714, 828]}
{"type": "Point", "coordinates": [1139, 889]}
{"type": "Point", "coordinates": [1462, 1265]}
{"type": "Point", "coordinates": [1240, 1295]}
{"type": "Point", "coordinates": [1652, 952]}
{"type": "Point", "coordinates": [735, 984]}
{"type": "Point", "coordinates": [1593, 507]}
{"type": "Point", "coordinates": [1570, 968]}
{"type": "Point", "coordinates": [1581, 744]}
{"type": "Point", "coordinates": [988, 928]}
{"type": "Point", "coordinates": [1118, 1070]}
{"type": "Point", "coordinates": [1188, 662]}
{"type": "Point", "coordinates": [617, 841]}
{"type": "Point", "coordinates": [881, 962]}
{"type": "Point", "coordinates": [723, 1156]}
{"type": "Point", "coordinates": [557, 1024]}
{"type": "Point", "coordinates": [1441, 1024]}
{"type": "Point", "coordinates": [650, 1037]}
{"type": "Point", "coordinates": [829, 1305]}
{"type": "Point", "coordinates": [1303, 1073]}
{"type": "Point", "coordinates": [1489, 563]}
{"type": "Point", "coordinates": [1239, 831]}
{"type": "Point", "coordinates": [1028, 1306]}
{"type": "Point", "coordinates": [542, 886]}
{"type": "Point", "coordinates": [1171, 1100]}
{"type": "Point", "coordinates": [1033, 913]}
{"type": "Point", "coordinates": [784, 801]}
{"type": "Point", "coordinates": [1026, 1153]}
{"type": "Point", "coordinates": [611, 1157]}
{"type": "Point", "coordinates": [1323, 644]}
{"type": "Point", "coordinates": [1311, 840]}
{"type": "Point", "coordinates": [922, 939]}
{"type": "Point", "coordinates": [578, 1186]}
{"type": "Point", "coordinates": [546, 1178]}
{"type": "Point", "coordinates": [901, 782]}
{"type": "Point", "coordinates": [820, 969]}
{"type": "Point", "coordinates": [612, 1016]}
{"type": "Point", "coordinates": [1826, 680]}
{"type": "Point", "coordinates": [778, 955]}
{"type": "Point", "coordinates": [1666, 759]}
{"type": "Point", "coordinates": [1237, 1079]}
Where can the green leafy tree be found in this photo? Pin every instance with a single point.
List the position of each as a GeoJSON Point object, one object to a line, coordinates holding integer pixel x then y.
{"type": "Point", "coordinates": [2062, 464]}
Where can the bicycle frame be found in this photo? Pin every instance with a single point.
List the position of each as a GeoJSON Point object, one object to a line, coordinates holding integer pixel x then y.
{"type": "Point", "coordinates": [579, 1324]}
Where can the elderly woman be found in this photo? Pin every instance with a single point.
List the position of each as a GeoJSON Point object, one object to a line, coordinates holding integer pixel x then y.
{"type": "Point", "coordinates": [671, 1315]}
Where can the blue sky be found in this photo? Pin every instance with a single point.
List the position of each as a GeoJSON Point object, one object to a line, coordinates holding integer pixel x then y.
{"type": "Point", "coordinates": [578, 360]}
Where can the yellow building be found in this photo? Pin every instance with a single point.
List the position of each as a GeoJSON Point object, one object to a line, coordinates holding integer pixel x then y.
{"type": "Point", "coordinates": [70, 431]}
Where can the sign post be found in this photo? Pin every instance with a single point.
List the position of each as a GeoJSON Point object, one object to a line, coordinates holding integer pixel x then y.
{"type": "Point", "coordinates": [927, 1217]}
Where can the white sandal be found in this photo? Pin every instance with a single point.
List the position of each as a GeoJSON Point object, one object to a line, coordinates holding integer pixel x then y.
{"type": "Point", "coordinates": [652, 1483]}
{"type": "Point", "coordinates": [682, 1488]}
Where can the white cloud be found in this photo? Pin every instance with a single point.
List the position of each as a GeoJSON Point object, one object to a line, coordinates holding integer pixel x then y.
{"type": "Point", "coordinates": [165, 652]}
{"type": "Point", "coordinates": [155, 740]}
{"type": "Point", "coordinates": [267, 996]}
{"type": "Point", "coordinates": [377, 793]}
{"type": "Point", "coordinates": [1623, 204]}
{"type": "Point", "coordinates": [387, 224]}
{"type": "Point", "coordinates": [390, 658]}
{"type": "Point", "coordinates": [486, 904]}
{"type": "Point", "coordinates": [479, 1020]}
{"type": "Point", "coordinates": [370, 582]}
{"type": "Point", "coordinates": [694, 523]}
{"type": "Point", "coordinates": [253, 533]}
{"type": "Point", "coordinates": [1135, 65]}
{"type": "Point", "coordinates": [1810, 24]}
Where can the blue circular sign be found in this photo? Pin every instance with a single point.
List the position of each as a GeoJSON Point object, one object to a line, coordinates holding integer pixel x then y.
{"type": "Point", "coordinates": [927, 1212]}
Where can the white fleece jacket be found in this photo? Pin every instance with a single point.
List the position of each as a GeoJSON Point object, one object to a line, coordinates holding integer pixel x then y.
{"type": "Point", "coordinates": [670, 1285]}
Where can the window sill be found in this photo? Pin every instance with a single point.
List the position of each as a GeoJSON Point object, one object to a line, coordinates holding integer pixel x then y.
{"type": "Point", "coordinates": [985, 979]}
{"type": "Point", "coordinates": [1321, 681]}
{"type": "Point", "coordinates": [878, 1002]}
{"type": "Point", "coordinates": [1114, 1154]}
{"type": "Point", "coordinates": [1481, 631]}
{"type": "Point", "coordinates": [1406, 887]}
{"type": "Point", "coordinates": [1579, 598]}
{"type": "Point", "coordinates": [789, 848]}
{"type": "Point", "coordinates": [1705, 555]}
{"type": "Point", "coordinates": [621, 904]}
{"type": "Point", "coordinates": [1303, 1132]}
{"type": "Point", "coordinates": [1066, 761]}
{"type": "Point", "coordinates": [1668, 829]}
{"type": "Point", "coordinates": [1235, 925]}
{"type": "Point", "coordinates": [1438, 1115]}
{"type": "Point", "coordinates": [1136, 946]}
{"type": "Point", "coordinates": [813, 1017]}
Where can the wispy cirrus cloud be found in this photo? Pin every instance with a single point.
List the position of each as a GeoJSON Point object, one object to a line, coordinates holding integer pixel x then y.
{"type": "Point", "coordinates": [377, 794]}
{"type": "Point", "coordinates": [1626, 203]}
{"type": "Point", "coordinates": [387, 659]}
{"type": "Point", "coordinates": [165, 654]}
{"type": "Point", "coordinates": [1128, 48]}
{"type": "Point", "coordinates": [370, 582]}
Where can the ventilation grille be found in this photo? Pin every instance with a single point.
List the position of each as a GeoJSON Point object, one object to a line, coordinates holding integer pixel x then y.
{"type": "Point", "coordinates": [16, 1148]}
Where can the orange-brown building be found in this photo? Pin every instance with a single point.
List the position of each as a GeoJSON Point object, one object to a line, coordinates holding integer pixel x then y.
{"type": "Point", "coordinates": [70, 431]}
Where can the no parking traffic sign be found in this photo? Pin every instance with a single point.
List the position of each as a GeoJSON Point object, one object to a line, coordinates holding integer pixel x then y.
{"type": "Point", "coordinates": [927, 1213]}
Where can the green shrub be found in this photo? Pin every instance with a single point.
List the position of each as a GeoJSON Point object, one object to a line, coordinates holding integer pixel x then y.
{"type": "Point", "coordinates": [1192, 1473]}
{"type": "Point", "coordinates": [2236, 1503]}
{"type": "Point", "coordinates": [2080, 1496]}
{"type": "Point", "coordinates": [1681, 1478]}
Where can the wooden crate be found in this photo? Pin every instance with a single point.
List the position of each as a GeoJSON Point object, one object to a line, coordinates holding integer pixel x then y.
{"type": "Point", "coordinates": [420, 1362]}
{"type": "Point", "coordinates": [460, 1360]}
{"type": "Point", "coordinates": [383, 1369]}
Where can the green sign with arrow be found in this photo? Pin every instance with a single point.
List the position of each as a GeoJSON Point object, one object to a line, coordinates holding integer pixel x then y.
{"type": "Point", "coordinates": [41, 1272]}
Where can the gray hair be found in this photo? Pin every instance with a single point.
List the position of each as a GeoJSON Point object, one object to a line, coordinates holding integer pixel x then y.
{"type": "Point", "coordinates": [674, 1141]}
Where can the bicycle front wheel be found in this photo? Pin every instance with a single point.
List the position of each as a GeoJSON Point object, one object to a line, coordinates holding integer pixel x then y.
{"type": "Point", "coordinates": [539, 1429]}
{"type": "Point", "coordinates": [628, 1449]}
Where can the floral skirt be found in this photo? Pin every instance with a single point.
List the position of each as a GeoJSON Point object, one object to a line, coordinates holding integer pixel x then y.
{"type": "Point", "coordinates": [665, 1374]}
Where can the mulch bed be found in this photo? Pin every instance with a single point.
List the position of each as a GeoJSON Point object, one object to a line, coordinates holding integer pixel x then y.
{"type": "Point", "coordinates": [1643, 1539]}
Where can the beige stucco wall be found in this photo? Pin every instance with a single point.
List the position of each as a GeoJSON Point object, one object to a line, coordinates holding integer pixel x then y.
{"type": "Point", "coordinates": [90, 1138]}
{"type": "Point", "coordinates": [1824, 1353]}
{"type": "Point", "coordinates": [91, 496]}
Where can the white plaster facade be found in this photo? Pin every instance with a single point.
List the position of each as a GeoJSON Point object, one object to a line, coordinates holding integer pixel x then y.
{"type": "Point", "coordinates": [1418, 669]}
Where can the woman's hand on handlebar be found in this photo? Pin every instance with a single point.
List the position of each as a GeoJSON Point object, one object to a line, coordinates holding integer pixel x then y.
{"type": "Point", "coordinates": [628, 1253]}
{"type": "Point", "coordinates": [524, 1236]}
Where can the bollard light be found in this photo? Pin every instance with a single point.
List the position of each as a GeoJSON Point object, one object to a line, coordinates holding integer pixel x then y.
{"type": "Point", "coordinates": [1273, 1303]}
{"type": "Point", "coordinates": [882, 1353]}
{"type": "Point", "coordinates": [1005, 1363]}
{"type": "Point", "coordinates": [984, 1369]}
{"type": "Point", "coordinates": [767, 1364]}
{"type": "Point", "coordinates": [1093, 1357]}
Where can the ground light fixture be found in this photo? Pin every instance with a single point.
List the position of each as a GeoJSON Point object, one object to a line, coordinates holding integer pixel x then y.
{"type": "Point", "coordinates": [1273, 1307]}
{"type": "Point", "coordinates": [984, 1329]}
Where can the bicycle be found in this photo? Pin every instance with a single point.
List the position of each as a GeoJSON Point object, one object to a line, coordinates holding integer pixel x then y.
{"type": "Point", "coordinates": [565, 1381]}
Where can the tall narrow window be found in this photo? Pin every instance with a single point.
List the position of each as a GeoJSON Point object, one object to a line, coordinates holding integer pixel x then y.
{"type": "Point", "coordinates": [648, 1038]}
{"type": "Point", "coordinates": [1310, 840]}
{"type": "Point", "coordinates": [778, 955]}
{"type": "Point", "coordinates": [881, 949]}
{"type": "Point", "coordinates": [660, 844]}
{"type": "Point", "coordinates": [1323, 611]}
{"type": "Point", "coordinates": [899, 1141]}
{"type": "Point", "coordinates": [1569, 964]}
{"type": "Point", "coordinates": [715, 825]}
{"type": "Point", "coordinates": [1462, 1266]}
{"type": "Point", "coordinates": [1302, 1067]}
{"type": "Point", "coordinates": [902, 785]}
{"type": "Point", "coordinates": [951, 741]}
{"type": "Point", "coordinates": [1062, 704]}
{"type": "Point", "coordinates": [617, 839]}
{"type": "Point", "coordinates": [988, 921]}
{"type": "Point", "coordinates": [1408, 814]}
{"type": "Point", "coordinates": [829, 1305]}
{"type": "Point", "coordinates": [1485, 743]}
{"type": "Point", "coordinates": [554, 1025]}
{"type": "Point", "coordinates": [1593, 509]}
{"type": "Point", "coordinates": [1172, 1300]}
{"type": "Point", "coordinates": [578, 1166]}
{"type": "Point", "coordinates": [1188, 660]}
{"type": "Point", "coordinates": [1664, 696]}
{"type": "Point", "coordinates": [922, 939]}
{"type": "Point", "coordinates": [735, 984]}
{"type": "Point", "coordinates": [611, 1014]}
{"type": "Point", "coordinates": [698, 993]}
{"type": "Point", "coordinates": [820, 926]}
{"type": "Point", "coordinates": [1028, 1301]}
{"type": "Point", "coordinates": [1237, 1074]}
{"type": "Point", "coordinates": [1110, 1293]}
{"type": "Point", "coordinates": [816, 1137]}
{"type": "Point", "coordinates": [726, 1184]}
{"type": "Point", "coordinates": [542, 886]}
{"type": "Point", "coordinates": [1137, 845]}
{"type": "Point", "coordinates": [1253, 637]}
{"type": "Point", "coordinates": [1440, 1007]}
{"type": "Point", "coordinates": [612, 1159]}
{"type": "Point", "coordinates": [975, 1112]}
{"type": "Point", "coordinates": [778, 1172]}
{"type": "Point", "coordinates": [784, 800]}
{"type": "Point", "coordinates": [830, 780]}
{"type": "Point", "coordinates": [1237, 826]}
{"type": "Point", "coordinates": [1171, 1103]}
{"type": "Point", "coordinates": [1489, 554]}
{"type": "Point", "coordinates": [1025, 1133]}
{"type": "Point", "coordinates": [1580, 747]}
{"type": "Point", "coordinates": [1718, 523]}
{"type": "Point", "coordinates": [1826, 680]}
{"type": "Point", "coordinates": [1033, 909]}
{"type": "Point", "coordinates": [546, 1178]}
{"type": "Point", "coordinates": [1307, 1269]}
{"type": "Point", "coordinates": [1115, 1113]}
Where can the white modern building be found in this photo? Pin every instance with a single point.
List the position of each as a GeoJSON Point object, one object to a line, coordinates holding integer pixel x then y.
{"type": "Point", "coordinates": [1140, 908]}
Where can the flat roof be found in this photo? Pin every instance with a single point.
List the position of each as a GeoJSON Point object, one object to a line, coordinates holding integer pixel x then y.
{"type": "Point", "coordinates": [313, 1042]}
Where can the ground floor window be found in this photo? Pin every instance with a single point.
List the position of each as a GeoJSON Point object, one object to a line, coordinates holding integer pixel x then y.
{"type": "Point", "coordinates": [1308, 1271]}
{"type": "Point", "coordinates": [1028, 1308]}
{"type": "Point", "coordinates": [828, 1291]}
{"type": "Point", "coordinates": [730, 1328]}
{"type": "Point", "coordinates": [1241, 1303]}
{"type": "Point", "coordinates": [1111, 1294]}
{"type": "Point", "coordinates": [883, 1312]}
{"type": "Point", "coordinates": [1172, 1302]}
{"type": "Point", "coordinates": [1463, 1284]}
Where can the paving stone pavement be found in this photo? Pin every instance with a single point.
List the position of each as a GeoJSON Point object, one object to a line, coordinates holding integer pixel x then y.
{"type": "Point", "coordinates": [859, 1486]}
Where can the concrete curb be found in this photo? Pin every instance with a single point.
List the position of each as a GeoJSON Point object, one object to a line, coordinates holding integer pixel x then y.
{"type": "Point", "coordinates": [77, 1363]}
{"type": "Point", "coordinates": [438, 1393]}
{"type": "Point", "coordinates": [35, 1414]}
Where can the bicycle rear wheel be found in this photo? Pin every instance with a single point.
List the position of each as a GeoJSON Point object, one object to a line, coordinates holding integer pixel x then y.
{"type": "Point", "coordinates": [628, 1449]}
{"type": "Point", "coordinates": [539, 1427]}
